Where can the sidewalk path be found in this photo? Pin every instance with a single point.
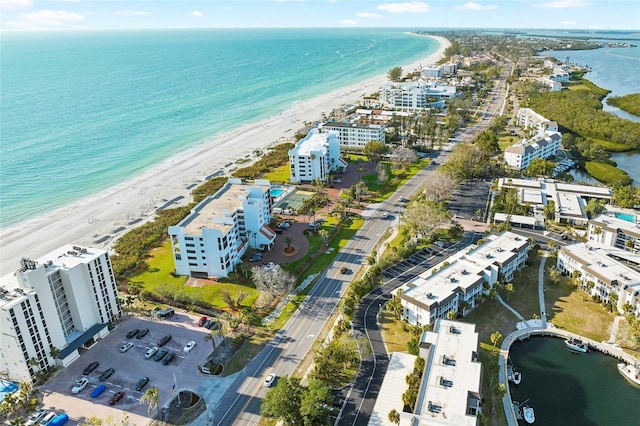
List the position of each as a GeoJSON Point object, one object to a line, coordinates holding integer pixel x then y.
{"type": "Point", "coordinates": [543, 315]}
{"type": "Point", "coordinates": [509, 308]}
{"type": "Point", "coordinates": [614, 329]}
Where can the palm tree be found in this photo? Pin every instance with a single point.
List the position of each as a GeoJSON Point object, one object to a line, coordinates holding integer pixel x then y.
{"type": "Point", "coordinates": [18, 421]}
{"type": "Point", "coordinates": [325, 236]}
{"type": "Point", "coordinates": [509, 289]}
{"type": "Point", "coordinates": [394, 417]}
{"type": "Point", "coordinates": [151, 398]}
{"type": "Point", "coordinates": [211, 336]}
{"type": "Point", "coordinates": [288, 240]}
{"type": "Point", "coordinates": [496, 337]}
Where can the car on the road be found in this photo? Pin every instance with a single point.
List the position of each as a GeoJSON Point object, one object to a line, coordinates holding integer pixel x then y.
{"type": "Point", "coordinates": [107, 373]}
{"type": "Point", "coordinates": [269, 380]}
{"type": "Point", "coordinates": [90, 368]}
{"type": "Point", "coordinates": [142, 333]}
{"type": "Point", "coordinates": [97, 391]}
{"type": "Point", "coordinates": [80, 385]}
{"type": "Point", "coordinates": [164, 340]}
{"type": "Point", "coordinates": [271, 266]}
{"type": "Point", "coordinates": [201, 321]}
{"type": "Point", "coordinates": [189, 346]}
{"type": "Point", "coordinates": [385, 216]}
{"type": "Point", "coordinates": [150, 352]}
{"type": "Point", "coordinates": [36, 417]}
{"type": "Point", "coordinates": [132, 333]}
{"type": "Point", "coordinates": [125, 346]}
{"type": "Point", "coordinates": [403, 200]}
{"type": "Point", "coordinates": [344, 270]}
{"type": "Point", "coordinates": [285, 225]}
{"type": "Point", "coordinates": [160, 354]}
{"type": "Point", "coordinates": [141, 383]}
{"type": "Point", "coordinates": [167, 359]}
{"type": "Point", "coordinates": [116, 397]}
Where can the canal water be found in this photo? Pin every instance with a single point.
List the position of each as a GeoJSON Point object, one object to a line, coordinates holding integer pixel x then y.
{"type": "Point", "coordinates": [566, 388]}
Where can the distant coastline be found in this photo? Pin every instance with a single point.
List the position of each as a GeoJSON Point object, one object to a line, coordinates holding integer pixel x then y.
{"type": "Point", "coordinates": [104, 216]}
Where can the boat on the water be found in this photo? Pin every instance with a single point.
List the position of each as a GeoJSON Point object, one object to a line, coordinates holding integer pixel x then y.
{"type": "Point", "coordinates": [576, 345]}
{"type": "Point", "coordinates": [513, 375]}
{"type": "Point", "coordinates": [529, 415]}
{"type": "Point", "coordinates": [630, 372]}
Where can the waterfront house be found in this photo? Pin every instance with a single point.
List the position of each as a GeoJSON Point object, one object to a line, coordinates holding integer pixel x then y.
{"type": "Point", "coordinates": [211, 240]}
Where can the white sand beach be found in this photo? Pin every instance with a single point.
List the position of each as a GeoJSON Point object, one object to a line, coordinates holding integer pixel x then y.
{"type": "Point", "coordinates": [99, 220]}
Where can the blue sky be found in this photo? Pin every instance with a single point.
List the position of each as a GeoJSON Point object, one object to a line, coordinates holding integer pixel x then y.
{"type": "Point", "coordinates": [124, 14]}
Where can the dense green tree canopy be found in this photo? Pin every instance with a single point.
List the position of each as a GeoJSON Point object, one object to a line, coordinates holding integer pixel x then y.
{"type": "Point", "coordinates": [374, 150]}
{"type": "Point", "coordinates": [395, 74]}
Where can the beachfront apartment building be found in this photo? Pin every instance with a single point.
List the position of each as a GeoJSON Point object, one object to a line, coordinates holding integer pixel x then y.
{"type": "Point", "coordinates": [615, 227]}
{"type": "Point", "coordinates": [416, 95]}
{"type": "Point", "coordinates": [437, 71]}
{"type": "Point", "coordinates": [604, 271]}
{"type": "Point", "coordinates": [354, 135]}
{"type": "Point", "coordinates": [61, 302]}
{"type": "Point", "coordinates": [529, 119]}
{"type": "Point", "coordinates": [314, 157]}
{"type": "Point", "coordinates": [211, 240]}
{"type": "Point", "coordinates": [456, 283]}
{"type": "Point", "coordinates": [520, 154]}
{"type": "Point", "coordinates": [569, 199]}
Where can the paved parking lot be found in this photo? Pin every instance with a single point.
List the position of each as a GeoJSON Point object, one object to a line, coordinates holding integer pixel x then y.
{"type": "Point", "coordinates": [129, 368]}
{"type": "Point", "coordinates": [470, 197]}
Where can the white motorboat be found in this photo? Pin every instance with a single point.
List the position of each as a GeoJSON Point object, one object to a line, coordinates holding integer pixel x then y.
{"type": "Point", "coordinates": [631, 373]}
{"type": "Point", "coordinates": [529, 415]}
{"type": "Point", "coordinates": [513, 375]}
{"type": "Point", "coordinates": [576, 345]}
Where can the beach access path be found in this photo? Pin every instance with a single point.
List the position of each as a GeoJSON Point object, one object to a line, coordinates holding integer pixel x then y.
{"type": "Point", "coordinates": [99, 220]}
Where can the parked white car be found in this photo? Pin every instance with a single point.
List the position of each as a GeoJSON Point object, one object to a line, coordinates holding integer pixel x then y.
{"type": "Point", "coordinates": [189, 346]}
{"type": "Point", "coordinates": [125, 346]}
{"type": "Point", "coordinates": [79, 385]}
{"type": "Point", "coordinates": [151, 352]}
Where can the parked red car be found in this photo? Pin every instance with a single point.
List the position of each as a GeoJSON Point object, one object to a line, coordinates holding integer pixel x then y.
{"type": "Point", "coordinates": [202, 321]}
{"type": "Point", "coordinates": [116, 397]}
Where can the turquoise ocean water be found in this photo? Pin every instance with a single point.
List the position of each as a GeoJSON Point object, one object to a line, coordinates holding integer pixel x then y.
{"type": "Point", "coordinates": [84, 111]}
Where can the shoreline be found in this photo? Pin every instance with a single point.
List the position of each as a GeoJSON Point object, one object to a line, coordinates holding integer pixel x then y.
{"type": "Point", "coordinates": [100, 219]}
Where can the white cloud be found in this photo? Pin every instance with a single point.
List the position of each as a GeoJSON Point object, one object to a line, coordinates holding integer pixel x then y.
{"type": "Point", "coordinates": [197, 14]}
{"type": "Point", "coordinates": [348, 22]}
{"type": "Point", "coordinates": [413, 7]}
{"type": "Point", "coordinates": [132, 13]}
{"type": "Point", "coordinates": [368, 15]}
{"type": "Point", "coordinates": [567, 23]}
{"type": "Point", "coordinates": [15, 4]}
{"type": "Point", "coordinates": [475, 6]}
{"type": "Point", "coordinates": [43, 19]}
{"type": "Point", "coordinates": [563, 4]}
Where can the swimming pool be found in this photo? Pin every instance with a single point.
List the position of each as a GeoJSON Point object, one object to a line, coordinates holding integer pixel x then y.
{"type": "Point", "coordinates": [625, 216]}
{"type": "Point", "coordinates": [6, 388]}
{"type": "Point", "coordinates": [275, 193]}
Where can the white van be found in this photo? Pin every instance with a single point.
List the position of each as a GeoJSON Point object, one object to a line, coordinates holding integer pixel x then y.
{"type": "Point", "coordinates": [46, 419]}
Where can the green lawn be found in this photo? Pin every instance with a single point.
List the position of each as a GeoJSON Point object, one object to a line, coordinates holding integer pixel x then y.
{"type": "Point", "coordinates": [572, 309]}
{"type": "Point", "coordinates": [279, 175]}
{"type": "Point", "coordinates": [524, 299]}
{"type": "Point", "coordinates": [381, 192]}
{"type": "Point", "coordinates": [505, 141]}
{"type": "Point", "coordinates": [157, 278]}
{"type": "Point", "coordinates": [394, 332]}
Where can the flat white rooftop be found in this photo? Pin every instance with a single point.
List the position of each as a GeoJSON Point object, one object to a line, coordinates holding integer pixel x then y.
{"type": "Point", "coordinates": [314, 142]}
{"type": "Point", "coordinates": [595, 258]}
{"type": "Point", "coordinates": [65, 257]}
{"type": "Point", "coordinates": [447, 386]}
{"type": "Point", "coordinates": [392, 388]}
